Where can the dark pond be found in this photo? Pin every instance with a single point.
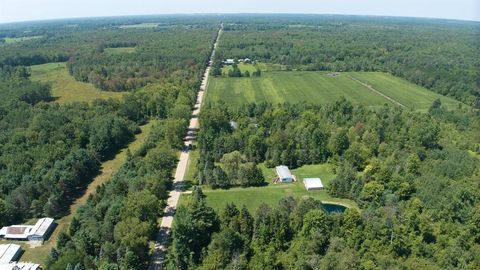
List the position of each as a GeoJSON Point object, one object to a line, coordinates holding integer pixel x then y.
{"type": "Point", "coordinates": [333, 208]}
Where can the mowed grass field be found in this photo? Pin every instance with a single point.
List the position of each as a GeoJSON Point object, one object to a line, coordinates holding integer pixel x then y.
{"type": "Point", "coordinates": [120, 50]}
{"type": "Point", "coordinates": [322, 88]}
{"type": "Point", "coordinates": [9, 40]}
{"type": "Point", "coordinates": [271, 194]}
{"type": "Point", "coordinates": [65, 88]}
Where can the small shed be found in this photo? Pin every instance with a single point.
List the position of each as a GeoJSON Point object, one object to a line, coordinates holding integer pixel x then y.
{"type": "Point", "coordinates": [313, 183]}
{"type": "Point", "coordinates": [9, 252]}
{"type": "Point", "coordinates": [283, 174]}
{"type": "Point", "coordinates": [229, 62]}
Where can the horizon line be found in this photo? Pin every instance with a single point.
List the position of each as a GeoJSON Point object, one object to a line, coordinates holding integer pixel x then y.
{"type": "Point", "coordinates": [231, 13]}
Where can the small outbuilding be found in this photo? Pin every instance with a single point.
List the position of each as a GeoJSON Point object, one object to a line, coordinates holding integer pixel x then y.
{"type": "Point", "coordinates": [9, 252]}
{"type": "Point", "coordinates": [313, 183]}
{"type": "Point", "coordinates": [229, 62]}
{"type": "Point", "coordinates": [283, 174]}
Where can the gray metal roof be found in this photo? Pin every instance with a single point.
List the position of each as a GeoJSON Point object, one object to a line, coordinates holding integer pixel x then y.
{"type": "Point", "coordinates": [283, 172]}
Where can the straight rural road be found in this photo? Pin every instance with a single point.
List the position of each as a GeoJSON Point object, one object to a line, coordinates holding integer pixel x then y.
{"type": "Point", "coordinates": [163, 235]}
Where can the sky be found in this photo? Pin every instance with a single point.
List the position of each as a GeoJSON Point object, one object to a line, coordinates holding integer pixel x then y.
{"type": "Point", "coordinates": [27, 10]}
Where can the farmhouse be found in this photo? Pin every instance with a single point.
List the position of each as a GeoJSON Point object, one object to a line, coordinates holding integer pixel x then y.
{"type": "Point", "coordinates": [8, 253]}
{"type": "Point", "coordinates": [283, 174]}
{"type": "Point", "coordinates": [229, 62]}
{"type": "Point", "coordinates": [313, 183]}
{"type": "Point", "coordinates": [38, 232]}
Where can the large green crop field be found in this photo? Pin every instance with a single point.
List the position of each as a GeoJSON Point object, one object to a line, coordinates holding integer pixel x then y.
{"type": "Point", "coordinates": [65, 88]}
{"type": "Point", "coordinates": [368, 88]}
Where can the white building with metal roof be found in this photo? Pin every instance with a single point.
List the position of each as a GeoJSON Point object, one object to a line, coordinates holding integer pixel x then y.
{"type": "Point", "coordinates": [20, 266]}
{"type": "Point", "coordinates": [9, 252]}
{"type": "Point", "coordinates": [313, 183]}
{"type": "Point", "coordinates": [38, 232]}
{"type": "Point", "coordinates": [284, 175]}
{"type": "Point", "coordinates": [42, 229]}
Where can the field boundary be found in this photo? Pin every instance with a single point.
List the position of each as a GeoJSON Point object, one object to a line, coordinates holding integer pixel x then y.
{"type": "Point", "coordinates": [376, 91]}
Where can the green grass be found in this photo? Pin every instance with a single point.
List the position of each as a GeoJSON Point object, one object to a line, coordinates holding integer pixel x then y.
{"type": "Point", "coordinates": [245, 67]}
{"type": "Point", "coordinates": [108, 169]}
{"type": "Point", "coordinates": [19, 39]}
{"type": "Point", "coordinates": [271, 194]}
{"type": "Point", "coordinates": [120, 50]}
{"type": "Point", "coordinates": [409, 94]}
{"type": "Point", "coordinates": [192, 165]}
{"type": "Point", "coordinates": [320, 88]}
{"type": "Point", "coordinates": [65, 88]}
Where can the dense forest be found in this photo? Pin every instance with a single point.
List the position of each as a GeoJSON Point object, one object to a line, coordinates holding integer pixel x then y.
{"type": "Point", "coordinates": [418, 191]}
{"type": "Point", "coordinates": [441, 56]}
{"type": "Point", "coordinates": [49, 153]}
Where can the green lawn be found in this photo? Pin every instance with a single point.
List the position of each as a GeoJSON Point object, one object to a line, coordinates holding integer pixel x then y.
{"type": "Point", "coordinates": [322, 88]}
{"type": "Point", "coordinates": [19, 39]}
{"type": "Point", "coordinates": [65, 88]}
{"type": "Point", "coordinates": [271, 194]}
{"type": "Point", "coordinates": [120, 50]}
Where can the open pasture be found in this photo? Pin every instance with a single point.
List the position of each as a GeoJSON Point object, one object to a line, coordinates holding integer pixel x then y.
{"type": "Point", "coordinates": [65, 88]}
{"type": "Point", "coordinates": [120, 50]}
{"type": "Point", "coordinates": [9, 40]}
{"type": "Point", "coordinates": [372, 89]}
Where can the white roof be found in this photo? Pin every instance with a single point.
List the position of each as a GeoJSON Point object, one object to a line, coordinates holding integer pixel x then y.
{"type": "Point", "coordinates": [283, 172]}
{"type": "Point", "coordinates": [18, 231]}
{"type": "Point", "coordinates": [19, 266]}
{"type": "Point", "coordinates": [8, 252]}
{"type": "Point", "coordinates": [41, 227]}
{"type": "Point", "coordinates": [3, 230]}
{"type": "Point", "coordinates": [313, 183]}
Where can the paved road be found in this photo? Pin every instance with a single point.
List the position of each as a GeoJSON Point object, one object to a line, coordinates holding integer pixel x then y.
{"type": "Point", "coordinates": [163, 236]}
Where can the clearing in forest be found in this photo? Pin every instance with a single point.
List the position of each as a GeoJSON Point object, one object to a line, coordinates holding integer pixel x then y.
{"type": "Point", "coordinates": [10, 40]}
{"type": "Point", "coordinates": [271, 194]}
{"type": "Point", "coordinates": [372, 89]}
{"type": "Point", "coordinates": [120, 50]}
{"type": "Point", "coordinates": [64, 86]}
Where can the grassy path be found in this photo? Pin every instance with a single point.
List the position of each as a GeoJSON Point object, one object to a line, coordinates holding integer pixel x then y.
{"type": "Point", "coordinates": [108, 169]}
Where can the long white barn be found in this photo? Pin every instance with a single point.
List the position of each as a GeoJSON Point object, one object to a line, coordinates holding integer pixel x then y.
{"type": "Point", "coordinates": [37, 232]}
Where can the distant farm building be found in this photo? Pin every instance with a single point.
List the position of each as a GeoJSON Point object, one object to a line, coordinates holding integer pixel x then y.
{"type": "Point", "coordinates": [313, 183]}
{"type": "Point", "coordinates": [38, 232]}
{"type": "Point", "coordinates": [19, 266]}
{"type": "Point", "coordinates": [8, 253]}
{"type": "Point", "coordinates": [229, 62]}
{"type": "Point", "coordinates": [283, 174]}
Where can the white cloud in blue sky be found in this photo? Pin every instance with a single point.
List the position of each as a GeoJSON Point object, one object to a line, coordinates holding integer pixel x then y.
{"type": "Point", "coordinates": [21, 10]}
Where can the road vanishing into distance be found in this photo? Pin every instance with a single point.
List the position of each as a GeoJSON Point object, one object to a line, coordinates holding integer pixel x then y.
{"type": "Point", "coordinates": [163, 235]}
